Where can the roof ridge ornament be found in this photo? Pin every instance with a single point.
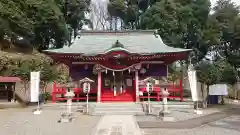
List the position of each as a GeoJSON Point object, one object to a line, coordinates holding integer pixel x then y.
{"type": "Point", "coordinates": [117, 44]}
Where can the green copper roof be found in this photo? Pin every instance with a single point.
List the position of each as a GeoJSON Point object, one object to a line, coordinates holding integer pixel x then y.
{"type": "Point", "coordinates": [134, 41]}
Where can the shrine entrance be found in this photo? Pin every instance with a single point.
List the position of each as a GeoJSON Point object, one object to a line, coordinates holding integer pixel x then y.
{"type": "Point", "coordinates": [118, 86]}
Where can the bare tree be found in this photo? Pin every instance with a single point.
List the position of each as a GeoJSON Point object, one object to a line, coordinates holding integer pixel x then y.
{"type": "Point", "coordinates": [99, 14]}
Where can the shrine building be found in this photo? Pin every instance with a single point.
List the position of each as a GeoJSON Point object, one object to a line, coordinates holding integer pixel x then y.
{"type": "Point", "coordinates": [117, 61]}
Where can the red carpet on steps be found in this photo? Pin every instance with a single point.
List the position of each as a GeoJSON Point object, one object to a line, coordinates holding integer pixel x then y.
{"type": "Point", "coordinates": [124, 97]}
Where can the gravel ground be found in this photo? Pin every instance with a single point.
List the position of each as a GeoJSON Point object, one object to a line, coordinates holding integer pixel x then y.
{"type": "Point", "coordinates": [178, 113]}
{"type": "Point", "coordinates": [225, 126]}
{"type": "Point", "coordinates": [23, 122]}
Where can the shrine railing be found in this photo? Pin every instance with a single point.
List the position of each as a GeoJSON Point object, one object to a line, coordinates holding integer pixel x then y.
{"type": "Point", "coordinates": [79, 94]}
{"type": "Point", "coordinates": [176, 92]}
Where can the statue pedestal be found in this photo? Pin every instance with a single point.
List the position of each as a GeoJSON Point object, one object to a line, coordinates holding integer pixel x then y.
{"type": "Point", "coordinates": [166, 116]}
{"type": "Point", "coordinates": [66, 117]}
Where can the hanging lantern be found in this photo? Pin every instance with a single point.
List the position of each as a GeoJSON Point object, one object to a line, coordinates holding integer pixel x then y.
{"type": "Point", "coordinates": [143, 71]}
{"type": "Point", "coordinates": [106, 71]}
{"type": "Point", "coordinates": [97, 67]}
{"type": "Point", "coordinates": [113, 73]}
{"type": "Point", "coordinates": [129, 70]}
{"type": "Point", "coordinates": [95, 72]}
{"type": "Point", "coordinates": [138, 66]}
{"type": "Point", "coordinates": [86, 67]}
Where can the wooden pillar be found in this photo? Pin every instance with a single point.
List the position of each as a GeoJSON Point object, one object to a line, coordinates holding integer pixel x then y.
{"type": "Point", "coordinates": [14, 90]}
{"type": "Point", "coordinates": [99, 86]}
{"type": "Point", "coordinates": [137, 85]}
{"type": "Point", "coordinates": [181, 90]}
{"type": "Point", "coordinates": [53, 92]}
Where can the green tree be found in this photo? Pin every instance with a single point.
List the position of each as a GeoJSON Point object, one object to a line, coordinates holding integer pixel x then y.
{"type": "Point", "coordinates": [226, 19]}
{"type": "Point", "coordinates": [43, 23]}
{"type": "Point", "coordinates": [181, 23]}
{"type": "Point", "coordinates": [48, 73]}
{"type": "Point", "coordinates": [214, 72]}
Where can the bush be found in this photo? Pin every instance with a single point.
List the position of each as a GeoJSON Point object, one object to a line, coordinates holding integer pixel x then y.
{"type": "Point", "coordinates": [46, 96]}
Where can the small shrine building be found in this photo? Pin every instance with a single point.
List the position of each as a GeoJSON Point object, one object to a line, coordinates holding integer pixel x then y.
{"type": "Point", "coordinates": [117, 61]}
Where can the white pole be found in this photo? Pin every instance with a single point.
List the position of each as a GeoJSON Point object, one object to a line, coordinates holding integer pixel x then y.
{"type": "Point", "coordinates": [69, 105]}
{"type": "Point", "coordinates": [38, 106]}
{"type": "Point", "coordinates": [149, 109]}
{"type": "Point", "coordinates": [87, 104]}
{"type": "Point", "coordinates": [99, 87]}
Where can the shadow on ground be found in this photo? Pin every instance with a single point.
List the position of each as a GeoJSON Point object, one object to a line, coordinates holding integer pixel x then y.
{"type": "Point", "coordinates": [190, 123]}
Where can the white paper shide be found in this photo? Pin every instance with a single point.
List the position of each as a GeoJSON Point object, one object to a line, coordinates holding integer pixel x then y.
{"type": "Point", "coordinates": [34, 86]}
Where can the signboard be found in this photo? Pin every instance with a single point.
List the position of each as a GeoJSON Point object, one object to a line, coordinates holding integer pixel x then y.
{"type": "Point", "coordinates": [193, 84]}
{"type": "Point", "coordinates": [149, 87]}
{"type": "Point", "coordinates": [218, 89]}
{"type": "Point", "coordinates": [86, 87]}
{"type": "Point", "coordinates": [34, 86]}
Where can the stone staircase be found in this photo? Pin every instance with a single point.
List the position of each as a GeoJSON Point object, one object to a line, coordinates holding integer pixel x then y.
{"type": "Point", "coordinates": [117, 109]}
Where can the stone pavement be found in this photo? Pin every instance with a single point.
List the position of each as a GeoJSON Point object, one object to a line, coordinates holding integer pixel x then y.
{"type": "Point", "coordinates": [117, 125]}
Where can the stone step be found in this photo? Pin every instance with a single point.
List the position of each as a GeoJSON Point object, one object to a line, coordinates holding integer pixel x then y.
{"type": "Point", "coordinates": [175, 106]}
{"type": "Point", "coordinates": [119, 113]}
{"type": "Point", "coordinates": [116, 104]}
{"type": "Point", "coordinates": [119, 109]}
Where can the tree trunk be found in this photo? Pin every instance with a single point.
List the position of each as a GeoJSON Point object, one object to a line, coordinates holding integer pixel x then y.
{"type": "Point", "coordinates": [111, 23]}
{"type": "Point", "coordinates": [206, 98]}
{"type": "Point", "coordinates": [45, 87]}
{"type": "Point", "coordinates": [115, 22]}
{"type": "Point", "coordinates": [25, 88]}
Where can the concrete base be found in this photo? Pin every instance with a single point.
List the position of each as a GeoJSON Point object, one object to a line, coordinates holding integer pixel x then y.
{"type": "Point", "coordinates": [37, 112]}
{"type": "Point", "coordinates": [199, 112]}
{"type": "Point", "coordinates": [235, 101]}
{"type": "Point", "coordinates": [66, 118]}
{"type": "Point", "coordinates": [166, 116]}
{"type": "Point", "coordinates": [164, 113]}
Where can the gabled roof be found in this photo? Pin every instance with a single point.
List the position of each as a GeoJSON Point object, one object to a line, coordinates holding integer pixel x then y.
{"type": "Point", "coordinates": [9, 79]}
{"type": "Point", "coordinates": [134, 41]}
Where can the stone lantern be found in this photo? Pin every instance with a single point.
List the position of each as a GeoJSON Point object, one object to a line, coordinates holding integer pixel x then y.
{"type": "Point", "coordinates": [165, 114]}
{"type": "Point", "coordinates": [68, 115]}
{"type": "Point", "coordinates": [164, 93]}
{"type": "Point", "coordinates": [69, 95]}
{"type": "Point", "coordinates": [149, 83]}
